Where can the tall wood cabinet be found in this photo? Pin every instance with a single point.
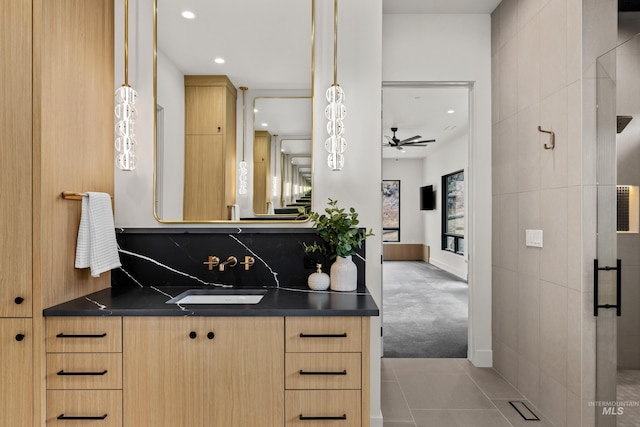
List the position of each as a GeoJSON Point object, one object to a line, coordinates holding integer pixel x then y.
{"type": "Point", "coordinates": [16, 297]}
{"type": "Point", "coordinates": [209, 147]}
{"type": "Point", "coordinates": [56, 116]}
{"type": "Point", "coordinates": [203, 371]}
{"type": "Point", "coordinates": [261, 171]}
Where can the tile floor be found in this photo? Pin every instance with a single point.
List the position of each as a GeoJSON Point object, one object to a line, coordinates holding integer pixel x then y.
{"type": "Point", "coordinates": [448, 393]}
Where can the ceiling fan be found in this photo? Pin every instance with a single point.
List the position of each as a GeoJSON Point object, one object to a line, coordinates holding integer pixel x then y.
{"type": "Point", "coordinates": [409, 142]}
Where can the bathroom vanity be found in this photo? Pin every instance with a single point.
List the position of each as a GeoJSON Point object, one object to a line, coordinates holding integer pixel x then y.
{"type": "Point", "coordinates": [254, 346]}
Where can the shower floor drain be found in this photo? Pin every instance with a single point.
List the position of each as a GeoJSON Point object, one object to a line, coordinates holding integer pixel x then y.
{"type": "Point", "coordinates": [525, 412]}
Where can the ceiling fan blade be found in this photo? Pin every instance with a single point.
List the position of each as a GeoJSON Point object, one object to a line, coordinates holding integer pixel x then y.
{"type": "Point", "coordinates": [426, 141]}
{"type": "Point", "coordinates": [413, 138]}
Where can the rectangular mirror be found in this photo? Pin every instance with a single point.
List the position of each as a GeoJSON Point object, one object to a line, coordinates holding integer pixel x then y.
{"type": "Point", "coordinates": [206, 124]}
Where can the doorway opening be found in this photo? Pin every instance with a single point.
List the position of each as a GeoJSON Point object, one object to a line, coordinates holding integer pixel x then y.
{"type": "Point", "coordinates": [425, 164]}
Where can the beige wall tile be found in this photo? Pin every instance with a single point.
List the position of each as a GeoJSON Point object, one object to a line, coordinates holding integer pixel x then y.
{"type": "Point", "coordinates": [529, 64]}
{"type": "Point", "coordinates": [508, 361]}
{"type": "Point", "coordinates": [496, 219]}
{"type": "Point", "coordinates": [508, 315]}
{"type": "Point", "coordinates": [508, 21]}
{"type": "Point", "coordinates": [574, 410]}
{"type": "Point", "coordinates": [495, 87]}
{"type": "Point", "coordinates": [574, 40]}
{"type": "Point", "coordinates": [527, 10]}
{"type": "Point", "coordinates": [553, 400]}
{"type": "Point", "coordinates": [529, 380]}
{"type": "Point", "coordinates": [508, 82]}
{"type": "Point", "coordinates": [508, 151]}
{"type": "Point", "coordinates": [529, 149]}
{"type": "Point", "coordinates": [529, 318]}
{"type": "Point", "coordinates": [553, 218]}
{"type": "Point", "coordinates": [574, 134]}
{"type": "Point", "coordinates": [575, 267]}
{"type": "Point", "coordinates": [528, 218]}
{"type": "Point", "coordinates": [553, 163]}
{"type": "Point", "coordinates": [553, 47]}
{"type": "Point", "coordinates": [574, 343]}
{"type": "Point", "coordinates": [509, 232]}
{"type": "Point", "coordinates": [553, 331]}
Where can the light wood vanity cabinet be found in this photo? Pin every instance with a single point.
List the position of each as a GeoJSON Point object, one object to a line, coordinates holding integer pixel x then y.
{"type": "Point", "coordinates": [210, 147]}
{"type": "Point", "coordinates": [84, 370]}
{"type": "Point", "coordinates": [203, 371]}
{"type": "Point", "coordinates": [327, 371]}
{"type": "Point", "coordinates": [16, 378]}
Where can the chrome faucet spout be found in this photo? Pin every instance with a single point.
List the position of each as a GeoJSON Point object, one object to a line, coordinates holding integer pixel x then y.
{"type": "Point", "coordinates": [231, 262]}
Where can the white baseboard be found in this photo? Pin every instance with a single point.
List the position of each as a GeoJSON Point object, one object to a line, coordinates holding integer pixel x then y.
{"type": "Point", "coordinates": [482, 359]}
{"type": "Point", "coordinates": [376, 421]}
{"type": "Point", "coordinates": [446, 267]}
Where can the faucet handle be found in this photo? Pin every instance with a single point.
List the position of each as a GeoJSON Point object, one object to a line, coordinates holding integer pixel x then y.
{"type": "Point", "coordinates": [248, 262]}
{"type": "Point", "coordinates": [213, 261]}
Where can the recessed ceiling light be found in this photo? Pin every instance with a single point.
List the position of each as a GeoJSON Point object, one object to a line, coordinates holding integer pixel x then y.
{"type": "Point", "coordinates": [187, 14]}
{"type": "Point", "coordinates": [450, 111]}
{"type": "Point", "coordinates": [219, 60]}
{"type": "Point", "coordinates": [255, 110]}
{"type": "Point", "coordinates": [265, 125]}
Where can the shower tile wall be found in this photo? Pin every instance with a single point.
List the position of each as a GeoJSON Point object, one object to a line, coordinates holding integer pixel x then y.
{"type": "Point", "coordinates": [543, 53]}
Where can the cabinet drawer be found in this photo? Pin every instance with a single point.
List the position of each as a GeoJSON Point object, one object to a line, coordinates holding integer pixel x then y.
{"type": "Point", "coordinates": [323, 408]}
{"type": "Point", "coordinates": [323, 334]}
{"type": "Point", "coordinates": [83, 334]}
{"type": "Point", "coordinates": [85, 371]}
{"type": "Point", "coordinates": [322, 371]}
{"type": "Point", "coordinates": [84, 407]}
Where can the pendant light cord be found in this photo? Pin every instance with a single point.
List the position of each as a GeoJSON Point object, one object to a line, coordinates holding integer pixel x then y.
{"type": "Point", "coordinates": [335, 42]}
{"type": "Point", "coordinates": [126, 43]}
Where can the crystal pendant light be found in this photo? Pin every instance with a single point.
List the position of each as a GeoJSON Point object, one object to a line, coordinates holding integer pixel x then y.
{"type": "Point", "coordinates": [335, 111]}
{"type": "Point", "coordinates": [242, 165]}
{"type": "Point", "coordinates": [125, 111]}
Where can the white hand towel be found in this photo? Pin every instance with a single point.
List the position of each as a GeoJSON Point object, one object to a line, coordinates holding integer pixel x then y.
{"type": "Point", "coordinates": [96, 247]}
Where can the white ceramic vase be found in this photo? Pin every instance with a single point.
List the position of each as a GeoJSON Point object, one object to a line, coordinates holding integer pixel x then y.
{"type": "Point", "coordinates": [344, 275]}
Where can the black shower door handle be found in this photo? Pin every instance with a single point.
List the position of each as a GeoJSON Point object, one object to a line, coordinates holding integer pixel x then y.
{"type": "Point", "coordinates": [618, 304]}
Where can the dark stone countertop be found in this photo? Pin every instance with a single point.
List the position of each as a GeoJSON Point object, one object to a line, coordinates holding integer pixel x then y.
{"type": "Point", "coordinates": [152, 301]}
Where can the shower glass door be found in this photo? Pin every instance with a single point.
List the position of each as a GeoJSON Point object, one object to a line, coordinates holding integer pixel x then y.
{"type": "Point", "coordinates": [617, 269]}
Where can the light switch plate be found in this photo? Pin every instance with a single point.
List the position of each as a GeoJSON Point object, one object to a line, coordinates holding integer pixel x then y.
{"type": "Point", "coordinates": [533, 238]}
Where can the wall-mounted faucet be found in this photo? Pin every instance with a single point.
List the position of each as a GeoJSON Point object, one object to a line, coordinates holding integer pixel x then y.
{"type": "Point", "coordinates": [231, 262]}
{"type": "Point", "coordinates": [248, 262]}
{"type": "Point", "coordinates": [212, 261]}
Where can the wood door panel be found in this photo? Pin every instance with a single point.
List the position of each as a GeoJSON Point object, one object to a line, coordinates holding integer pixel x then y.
{"type": "Point", "coordinates": [16, 372]}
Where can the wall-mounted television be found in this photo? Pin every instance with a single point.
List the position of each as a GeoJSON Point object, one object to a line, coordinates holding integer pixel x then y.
{"type": "Point", "coordinates": [427, 198]}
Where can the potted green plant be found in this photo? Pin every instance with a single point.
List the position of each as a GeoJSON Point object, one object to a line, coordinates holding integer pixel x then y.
{"type": "Point", "coordinates": [339, 230]}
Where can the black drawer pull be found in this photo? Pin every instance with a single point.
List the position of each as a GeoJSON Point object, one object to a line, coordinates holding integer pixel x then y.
{"type": "Point", "coordinates": [63, 417]}
{"type": "Point", "coordinates": [323, 373]}
{"type": "Point", "coordinates": [19, 337]}
{"type": "Point", "coordinates": [303, 335]}
{"type": "Point", "coordinates": [193, 335]}
{"type": "Point", "coordinates": [341, 417]}
{"type": "Point", "coordinates": [18, 300]}
{"type": "Point", "coordinates": [62, 373]}
{"type": "Point", "coordinates": [211, 335]}
{"type": "Point", "coordinates": [63, 335]}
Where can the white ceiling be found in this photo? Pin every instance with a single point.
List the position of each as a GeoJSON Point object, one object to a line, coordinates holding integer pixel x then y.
{"type": "Point", "coordinates": [251, 61]}
{"type": "Point", "coordinates": [425, 112]}
{"type": "Point", "coordinates": [439, 6]}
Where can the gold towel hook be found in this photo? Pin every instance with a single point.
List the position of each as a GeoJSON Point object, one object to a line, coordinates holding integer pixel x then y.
{"type": "Point", "coordinates": [552, 137]}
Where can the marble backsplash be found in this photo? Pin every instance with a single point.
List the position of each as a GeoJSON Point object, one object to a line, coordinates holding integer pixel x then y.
{"type": "Point", "coordinates": [176, 257]}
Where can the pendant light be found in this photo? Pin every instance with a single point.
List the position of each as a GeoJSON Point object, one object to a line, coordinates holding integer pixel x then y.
{"type": "Point", "coordinates": [125, 110]}
{"type": "Point", "coordinates": [242, 166]}
{"type": "Point", "coordinates": [335, 111]}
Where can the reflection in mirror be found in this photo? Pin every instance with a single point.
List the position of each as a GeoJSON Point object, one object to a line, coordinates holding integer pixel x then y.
{"type": "Point", "coordinates": [200, 139]}
{"type": "Point", "coordinates": [281, 155]}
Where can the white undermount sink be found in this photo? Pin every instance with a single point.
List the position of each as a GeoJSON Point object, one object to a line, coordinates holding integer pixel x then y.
{"type": "Point", "coordinates": [219, 296]}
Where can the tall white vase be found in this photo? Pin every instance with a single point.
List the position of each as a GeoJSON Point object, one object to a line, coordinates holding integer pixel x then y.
{"type": "Point", "coordinates": [344, 274]}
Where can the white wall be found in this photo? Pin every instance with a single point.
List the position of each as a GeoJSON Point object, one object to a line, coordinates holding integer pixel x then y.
{"type": "Point", "coordinates": [409, 172]}
{"type": "Point", "coordinates": [450, 158]}
{"type": "Point", "coordinates": [445, 48]}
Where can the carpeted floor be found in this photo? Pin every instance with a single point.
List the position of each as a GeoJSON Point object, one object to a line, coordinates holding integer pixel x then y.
{"type": "Point", "coordinates": [425, 311]}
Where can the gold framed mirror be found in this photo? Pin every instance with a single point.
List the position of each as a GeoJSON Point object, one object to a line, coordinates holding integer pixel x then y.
{"type": "Point", "coordinates": [205, 125]}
